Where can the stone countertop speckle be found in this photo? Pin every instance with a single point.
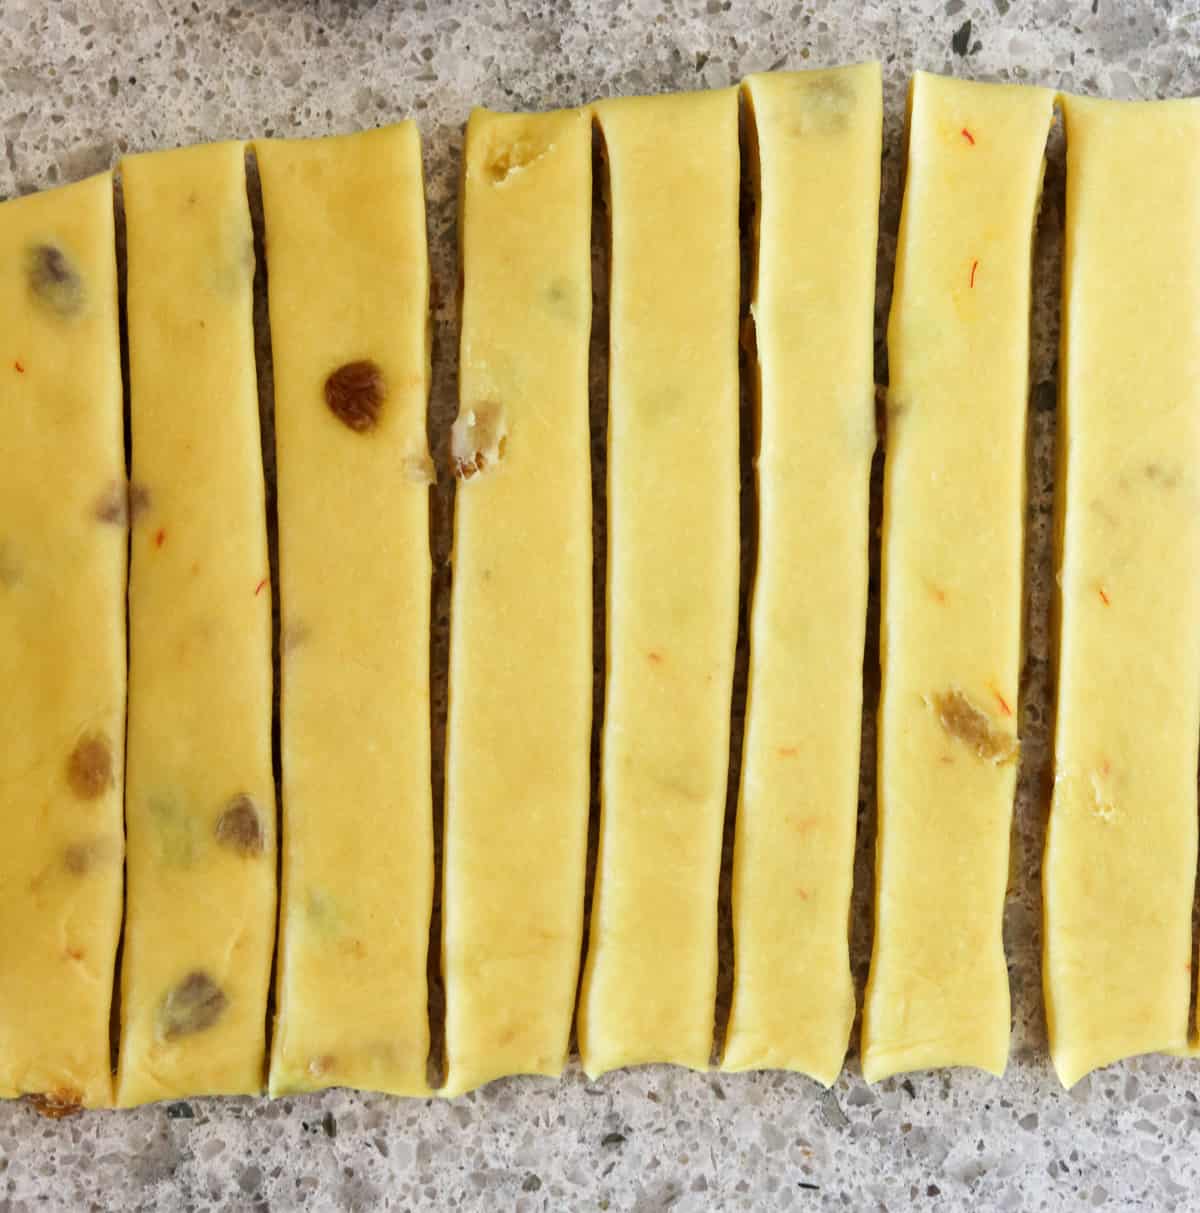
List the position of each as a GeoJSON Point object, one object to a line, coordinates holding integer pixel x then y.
{"type": "Point", "coordinates": [84, 81]}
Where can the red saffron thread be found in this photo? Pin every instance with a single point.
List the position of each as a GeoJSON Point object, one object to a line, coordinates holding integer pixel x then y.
{"type": "Point", "coordinates": [1103, 596]}
{"type": "Point", "coordinates": [18, 367]}
{"type": "Point", "coordinates": [1003, 703]}
{"type": "Point", "coordinates": [160, 537]}
{"type": "Point", "coordinates": [259, 588]}
{"type": "Point", "coordinates": [974, 267]}
{"type": "Point", "coordinates": [966, 134]}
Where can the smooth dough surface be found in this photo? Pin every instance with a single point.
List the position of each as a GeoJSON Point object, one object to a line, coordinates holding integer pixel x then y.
{"type": "Point", "coordinates": [953, 554]}
{"type": "Point", "coordinates": [348, 275]}
{"type": "Point", "coordinates": [63, 530]}
{"type": "Point", "coordinates": [519, 727]}
{"type": "Point", "coordinates": [650, 981]}
{"type": "Point", "coordinates": [1121, 844]}
{"type": "Point", "coordinates": [818, 147]}
{"type": "Point", "coordinates": [200, 801]}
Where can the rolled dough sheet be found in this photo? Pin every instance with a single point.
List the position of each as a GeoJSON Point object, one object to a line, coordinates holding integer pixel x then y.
{"type": "Point", "coordinates": [63, 534]}
{"type": "Point", "coordinates": [519, 728]}
{"type": "Point", "coordinates": [818, 149]}
{"type": "Point", "coordinates": [200, 802]}
{"type": "Point", "coordinates": [649, 987]}
{"type": "Point", "coordinates": [348, 275]}
{"type": "Point", "coordinates": [1120, 859]}
{"type": "Point", "coordinates": [953, 549]}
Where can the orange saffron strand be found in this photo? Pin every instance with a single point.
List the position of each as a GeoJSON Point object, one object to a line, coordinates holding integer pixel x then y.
{"type": "Point", "coordinates": [974, 267]}
{"type": "Point", "coordinates": [966, 134]}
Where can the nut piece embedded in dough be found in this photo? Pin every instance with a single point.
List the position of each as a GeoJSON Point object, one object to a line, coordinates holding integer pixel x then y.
{"type": "Point", "coordinates": [65, 1101]}
{"type": "Point", "coordinates": [478, 439]}
{"type": "Point", "coordinates": [240, 827]}
{"type": "Point", "coordinates": [89, 768]}
{"type": "Point", "coordinates": [355, 393]}
{"type": "Point", "coordinates": [963, 720]}
{"type": "Point", "coordinates": [53, 280]}
{"type": "Point", "coordinates": [194, 1005]}
{"type": "Point", "coordinates": [511, 157]}
{"type": "Point", "coordinates": [418, 469]}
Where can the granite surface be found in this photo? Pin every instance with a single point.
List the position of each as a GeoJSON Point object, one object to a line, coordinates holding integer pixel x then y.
{"type": "Point", "coordinates": [83, 82]}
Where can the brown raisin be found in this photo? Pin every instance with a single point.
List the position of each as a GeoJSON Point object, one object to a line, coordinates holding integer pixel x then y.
{"type": "Point", "coordinates": [53, 280]}
{"type": "Point", "coordinates": [240, 827]}
{"type": "Point", "coordinates": [79, 857]}
{"type": "Point", "coordinates": [139, 500]}
{"type": "Point", "coordinates": [112, 505]}
{"type": "Point", "coordinates": [89, 768]}
{"type": "Point", "coordinates": [355, 393]}
{"type": "Point", "coordinates": [65, 1101]}
{"type": "Point", "coordinates": [121, 503]}
{"type": "Point", "coordinates": [194, 1005]}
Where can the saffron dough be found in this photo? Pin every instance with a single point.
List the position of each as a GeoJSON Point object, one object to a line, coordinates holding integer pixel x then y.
{"type": "Point", "coordinates": [818, 148]}
{"type": "Point", "coordinates": [953, 550]}
{"type": "Point", "coordinates": [1121, 844]}
{"type": "Point", "coordinates": [348, 279]}
{"type": "Point", "coordinates": [649, 987]}
{"type": "Point", "coordinates": [200, 802]}
{"type": "Point", "coordinates": [519, 726]}
{"type": "Point", "coordinates": [63, 533]}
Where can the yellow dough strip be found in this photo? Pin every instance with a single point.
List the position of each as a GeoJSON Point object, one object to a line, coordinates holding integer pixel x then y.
{"type": "Point", "coordinates": [348, 277]}
{"type": "Point", "coordinates": [818, 149]}
{"type": "Point", "coordinates": [649, 986]}
{"type": "Point", "coordinates": [1121, 845]}
{"type": "Point", "coordinates": [953, 540]}
{"type": "Point", "coordinates": [519, 725]}
{"type": "Point", "coordinates": [63, 531]}
{"type": "Point", "coordinates": [200, 801]}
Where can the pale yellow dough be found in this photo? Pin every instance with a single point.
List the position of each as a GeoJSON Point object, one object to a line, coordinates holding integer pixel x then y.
{"type": "Point", "coordinates": [62, 642]}
{"type": "Point", "coordinates": [349, 283]}
{"type": "Point", "coordinates": [1121, 845]}
{"type": "Point", "coordinates": [200, 807]}
{"type": "Point", "coordinates": [649, 987]}
{"type": "Point", "coordinates": [818, 149]}
{"type": "Point", "coordinates": [953, 531]}
{"type": "Point", "coordinates": [518, 734]}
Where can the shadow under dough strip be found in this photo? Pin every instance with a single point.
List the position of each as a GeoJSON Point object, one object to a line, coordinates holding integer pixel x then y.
{"type": "Point", "coordinates": [650, 982]}
{"type": "Point", "coordinates": [1121, 844]}
{"type": "Point", "coordinates": [818, 143]}
{"type": "Point", "coordinates": [348, 274]}
{"type": "Point", "coordinates": [200, 806]}
{"type": "Point", "coordinates": [63, 529]}
{"type": "Point", "coordinates": [953, 553]}
{"type": "Point", "coordinates": [519, 727]}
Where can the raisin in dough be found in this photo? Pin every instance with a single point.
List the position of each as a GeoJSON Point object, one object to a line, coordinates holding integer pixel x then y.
{"type": "Point", "coordinates": [200, 807]}
{"type": "Point", "coordinates": [817, 136]}
{"type": "Point", "coordinates": [519, 727]}
{"type": "Point", "coordinates": [348, 273]}
{"type": "Point", "coordinates": [62, 642]}
{"type": "Point", "coordinates": [649, 987]}
{"type": "Point", "coordinates": [953, 552]}
{"type": "Point", "coordinates": [1121, 844]}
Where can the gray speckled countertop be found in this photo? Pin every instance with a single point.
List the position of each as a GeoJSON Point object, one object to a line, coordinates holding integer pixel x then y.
{"type": "Point", "coordinates": [83, 81]}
